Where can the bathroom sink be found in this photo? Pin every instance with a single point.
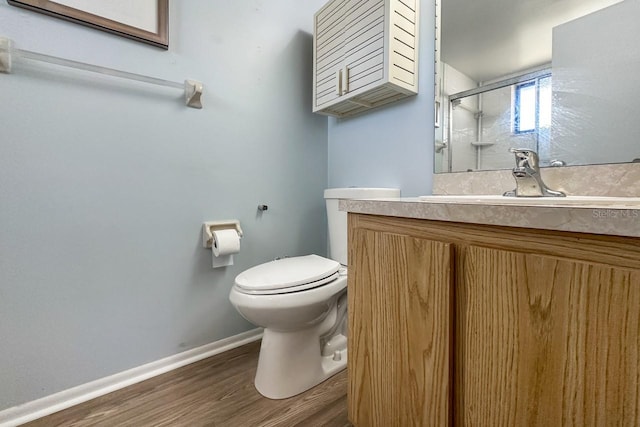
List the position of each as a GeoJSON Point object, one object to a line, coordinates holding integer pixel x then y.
{"type": "Point", "coordinates": [569, 201]}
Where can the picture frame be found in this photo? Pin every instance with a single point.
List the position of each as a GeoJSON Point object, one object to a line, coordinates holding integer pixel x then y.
{"type": "Point", "coordinates": [146, 21]}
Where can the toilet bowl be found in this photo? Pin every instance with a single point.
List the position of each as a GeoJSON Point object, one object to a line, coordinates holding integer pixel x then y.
{"type": "Point", "coordinates": [301, 302]}
{"type": "Point", "coordinates": [297, 350]}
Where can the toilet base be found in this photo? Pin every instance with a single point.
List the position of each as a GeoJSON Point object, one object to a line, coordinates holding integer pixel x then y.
{"type": "Point", "coordinates": [292, 362]}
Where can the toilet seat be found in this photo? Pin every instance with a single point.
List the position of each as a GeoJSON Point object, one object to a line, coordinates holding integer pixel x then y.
{"type": "Point", "coordinates": [288, 275]}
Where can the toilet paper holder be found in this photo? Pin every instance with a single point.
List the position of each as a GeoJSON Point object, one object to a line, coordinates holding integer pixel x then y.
{"type": "Point", "coordinates": [209, 227]}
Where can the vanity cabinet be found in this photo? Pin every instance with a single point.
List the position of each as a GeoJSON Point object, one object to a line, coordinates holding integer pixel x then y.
{"type": "Point", "coordinates": [470, 325]}
{"type": "Point", "coordinates": [365, 55]}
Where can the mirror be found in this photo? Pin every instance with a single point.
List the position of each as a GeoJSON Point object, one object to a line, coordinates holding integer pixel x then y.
{"type": "Point", "coordinates": [556, 76]}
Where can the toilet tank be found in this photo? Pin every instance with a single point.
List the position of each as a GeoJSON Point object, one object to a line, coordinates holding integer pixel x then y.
{"type": "Point", "coordinates": [337, 220]}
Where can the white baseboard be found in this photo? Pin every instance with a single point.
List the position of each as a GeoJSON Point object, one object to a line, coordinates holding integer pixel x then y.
{"type": "Point", "coordinates": [56, 402]}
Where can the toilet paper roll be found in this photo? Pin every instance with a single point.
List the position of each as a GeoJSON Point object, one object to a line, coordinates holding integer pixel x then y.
{"type": "Point", "coordinates": [225, 244]}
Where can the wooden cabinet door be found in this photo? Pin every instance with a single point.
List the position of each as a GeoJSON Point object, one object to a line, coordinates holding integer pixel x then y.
{"type": "Point", "coordinates": [545, 341]}
{"type": "Point", "coordinates": [399, 329]}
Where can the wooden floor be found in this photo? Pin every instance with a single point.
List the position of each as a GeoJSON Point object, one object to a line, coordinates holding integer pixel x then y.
{"type": "Point", "coordinates": [217, 391]}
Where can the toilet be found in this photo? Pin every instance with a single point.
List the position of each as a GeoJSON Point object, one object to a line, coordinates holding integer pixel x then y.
{"type": "Point", "coordinates": [301, 302]}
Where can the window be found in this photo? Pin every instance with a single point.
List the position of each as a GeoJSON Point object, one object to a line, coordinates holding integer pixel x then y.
{"type": "Point", "coordinates": [532, 105]}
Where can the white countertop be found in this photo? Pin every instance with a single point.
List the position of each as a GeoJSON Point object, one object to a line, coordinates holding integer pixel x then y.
{"type": "Point", "coordinates": [597, 215]}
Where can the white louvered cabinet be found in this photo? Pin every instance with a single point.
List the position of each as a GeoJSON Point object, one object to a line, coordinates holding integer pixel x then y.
{"type": "Point", "coordinates": [365, 55]}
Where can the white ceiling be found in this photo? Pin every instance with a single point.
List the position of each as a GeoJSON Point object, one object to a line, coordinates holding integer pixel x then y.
{"type": "Point", "coordinates": [486, 39]}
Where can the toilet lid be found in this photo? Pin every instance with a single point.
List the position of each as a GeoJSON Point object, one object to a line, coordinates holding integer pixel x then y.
{"type": "Point", "coordinates": [283, 274]}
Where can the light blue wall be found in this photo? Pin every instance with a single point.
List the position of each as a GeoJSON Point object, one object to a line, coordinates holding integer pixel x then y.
{"type": "Point", "coordinates": [104, 185]}
{"type": "Point", "coordinates": [393, 146]}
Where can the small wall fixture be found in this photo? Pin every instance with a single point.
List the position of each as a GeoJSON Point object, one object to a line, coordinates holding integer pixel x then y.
{"type": "Point", "coordinates": [192, 93]}
{"type": "Point", "coordinates": [209, 227]}
{"type": "Point", "coordinates": [223, 237]}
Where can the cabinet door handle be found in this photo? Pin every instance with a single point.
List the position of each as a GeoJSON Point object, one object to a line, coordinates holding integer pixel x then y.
{"type": "Point", "coordinates": [339, 82]}
{"type": "Point", "coordinates": [345, 79]}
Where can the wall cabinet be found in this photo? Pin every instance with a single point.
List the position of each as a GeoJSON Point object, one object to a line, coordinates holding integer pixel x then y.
{"type": "Point", "coordinates": [365, 55]}
{"type": "Point", "coordinates": [469, 325]}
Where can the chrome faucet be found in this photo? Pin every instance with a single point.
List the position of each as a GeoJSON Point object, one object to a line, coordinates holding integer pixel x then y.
{"type": "Point", "coordinates": [527, 174]}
